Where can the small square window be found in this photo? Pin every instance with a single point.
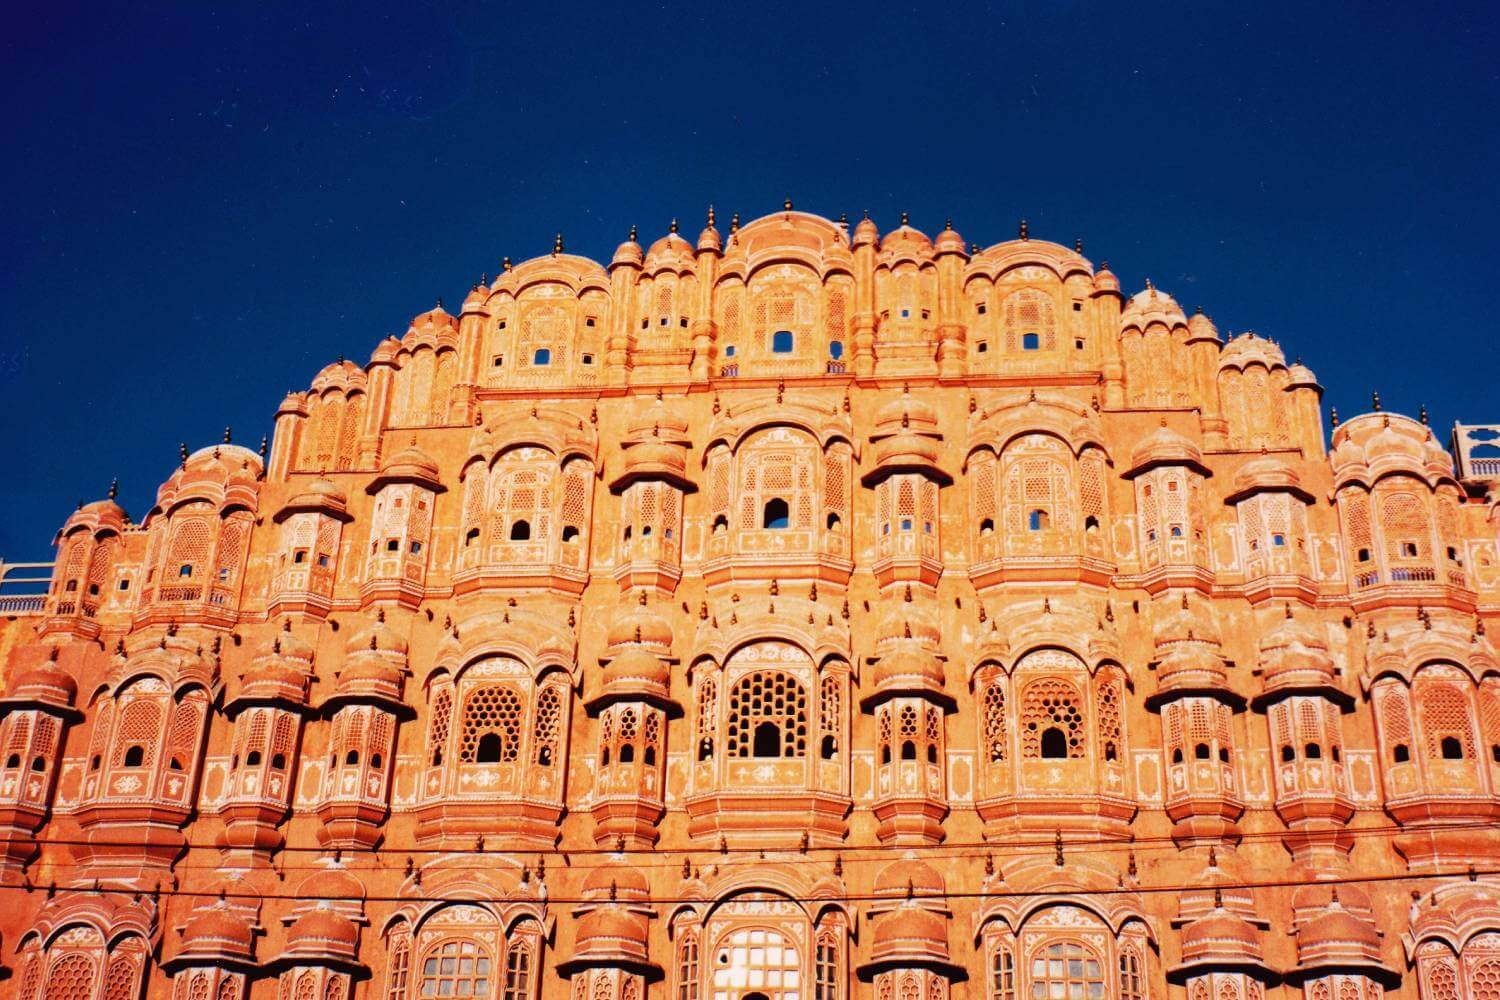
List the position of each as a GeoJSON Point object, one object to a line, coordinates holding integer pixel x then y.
{"type": "Point", "coordinates": [124, 584]}
{"type": "Point", "coordinates": [836, 349]}
{"type": "Point", "coordinates": [927, 527]}
{"type": "Point", "coordinates": [1078, 343]}
{"type": "Point", "coordinates": [664, 321]}
{"type": "Point", "coordinates": [323, 559]}
{"type": "Point", "coordinates": [729, 351]}
{"type": "Point", "coordinates": [588, 359]}
{"type": "Point", "coordinates": [421, 505]}
{"type": "Point", "coordinates": [1078, 307]}
{"type": "Point", "coordinates": [981, 309]}
{"type": "Point", "coordinates": [416, 547]}
{"type": "Point", "coordinates": [885, 529]}
{"type": "Point", "coordinates": [905, 313]}
{"type": "Point", "coordinates": [983, 347]}
{"type": "Point", "coordinates": [1031, 342]}
{"type": "Point", "coordinates": [300, 556]}
{"type": "Point", "coordinates": [906, 524]}
{"type": "Point", "coordinates": [499, 361]}
{"type": "Point", "coordinates": [588, 321]}
{"type": "Point", "coordinates": [926, 314]}
{"type": "Point", "coordinates": [683, 322]}
{"type": "Point", "coordinates": [542, 357]}
{"type": "Point", "coordinates": [394, 545]}
{"type": "Point", "coordinates": [1278, 540]}
{"type": "Point", "coordinates": [502, 325]}
{"type": "Point", "coordinates": [224, 574]}
{"type": "Point", "coordinates": [1409, 550]}
{"type": "Point", "coordinates": [645, 323]}
{"type": "Point", "coordinates": [781, 342]}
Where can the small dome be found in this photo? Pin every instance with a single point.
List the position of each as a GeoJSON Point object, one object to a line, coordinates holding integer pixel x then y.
{"type": "Point", "coordinates": [1151, 306]}
{"type": "Point", "coordinates": [47, 684]}
{"type": "Point", "coordinates": [410, 463]}
{"type": "Point", "coordinates": [611, 932]}
{"type": "Point", "coordinates": [909, 873]}
{"type": "Point", "coordinates": [910, 932]}
{"type": "Point", "coordinates": [906, 241]}
{"type": "Point", "coordinates": [949, 241]}
{"type": "Point", "coordinates": [637, 671]}
{"type": "Point", "coordinates": [1267, 473]}
{"type": "Point", "coordinates": [1165, 447]}
{"type": "Point", "coordinates": [1301, 377]}
{"type": "Point", "coordinates": [710, 239]}
{"type": "Point", "coordinates": [660, 421]}
{"type": "Point", "coordinates": [670, 246]}
{"type": "Point", "coordinates": [376, 635]}
{"type": "Point", "coordinates": [639, 624]}
{"type": "Point", "coordinates": [907, 412]}
{"type": "Point", "coordinates": [616, 874]}
{"type": "Point", "coordinates": [1251, 348]}
{"type": "Point", "coordinates": [1191, 667]}
{"type": "Point", "coordinates": [321, 931]}
{"type": "Point", "coordinates": [1105, 280]}
{"type": "Point", "coordinates": [628, 252]}
{"type": "Point", "coordinates": [909, 666]}
{"type": "Point", "coordinates": [217, 930]}
{"type": "Point", "coordinates": [1220, 936]}
{"type": "Point", "coordinates": [908, 619]}
{"type": "Point", "coordinates": [319, 495]}
{"type": "Point", "coordinates": [865, 231]}
{"type": "Point", "coordinates": [1337, 926]}
{"type": "Point", "coordinates": [367, 676]}
{"type": "Point", "coordinates": [1200, 327]}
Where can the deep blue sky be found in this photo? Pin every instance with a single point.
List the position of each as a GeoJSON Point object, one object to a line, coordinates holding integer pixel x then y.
{"type": "Point", "coordinates": [205, 206]}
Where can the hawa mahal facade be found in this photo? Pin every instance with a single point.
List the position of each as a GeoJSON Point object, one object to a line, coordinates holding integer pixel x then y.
{"type": "Point", "coordinates": [800, 613]}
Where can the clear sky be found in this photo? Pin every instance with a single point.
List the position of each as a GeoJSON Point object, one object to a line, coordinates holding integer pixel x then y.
{"type": "Point", "coordinates": [206, 205]}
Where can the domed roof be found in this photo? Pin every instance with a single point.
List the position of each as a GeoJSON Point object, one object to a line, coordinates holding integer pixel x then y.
{"type": "Point", "coordinates": [616, 875]}
{"type": "Point", "coordinates": [1105, 280]}
{"type": "Point", "coordinates": [909, 873]}
{"type": "Point", "coordinates": [906, 241]}
{"type": "Point", "coordinates": [908, 619]}
{"type": "Point", "coordinates": [1373, 445]}
{"type": "Point", "coordinates": [1184, 620]}
{"type": "Point", "coordinates": [670, 247]}
{"type": "Point", "coordinates": [909, 412]}
{"type": "Point", "coordinates": [1165, 447]}
{"type": "Point", "coordinates": [1267, 474]}
{"type": "Point", "coordinates": [949, 241]}
{"type": "Point", "coordinates": [1200, 327]}
{"type": "Point", "coordinates": [628, 252]}
{"type": "Point", "coordinates": [1151, 306]}
{"type": "Point", "coordinates": [409, 465]}
{"type": "Point", "coordinates": [318, 495]}
{"type": "Point", "coordinates": [1293, 657]}
{"type": "Point", "coordinates": [658, 420]}
{"type": "Point", "coordinates": [45, 684]}
{"type": "Point", "coordinates": [709, 238]}
{"type": "Point", "coordinates": [608, 935]}
{"type": "Point", "coordinates": [376, 635]}
{"type": "Point", "coordinates": [865, 231]}
{"type": "Point", "coordinates": [636, 672]}
{"type": "Point", "coordinates": [1220, 936]}
{"type": "Point", "coordinates": [218, 931]}
{"type": "Point", "coordinates": [638, 624]}
{"type": "Point", "coordinates": [910, 933]}
{"type": "Point", "coordinates": [1191, 668]}
{"type": "Point", "coordinates": [323, 932]}
{"type": "Point", "coordinates": [907, 667]}
{"type": "Point", "coordinates": [1250, 348]}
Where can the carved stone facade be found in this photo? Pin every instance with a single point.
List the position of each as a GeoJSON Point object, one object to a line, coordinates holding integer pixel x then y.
{"type": "Point", "coordinates": [800, 613]}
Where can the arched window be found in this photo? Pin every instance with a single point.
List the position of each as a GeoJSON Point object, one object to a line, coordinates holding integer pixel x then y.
{"type": "Point", "coordinates": [836, 349]}
{"type": "Point", "coordinates": [520, 531]}
{"type": "Point", "coordinates": [777, 514]}
{"type": "Point", "coordinates": [1031, 342]}
{"type": "Point", "coordinates": [1052, 719]}
{"type": "Point", "coordinates": [1066, 969]}
{"type": "Point", "coordinates": [767, 716]}
{"type": "Point", "coordinates": [493, 710]}
{"type": "Point", "coordinates": [994, 722]}
{"type": "Point", "coordinates": [456, 968]}
{"type": "Point", "coordinates": [543, 356]}
{"type": "Point", "coordinates": [782, 342]}
{"type": "Point", "coordinates": [135, 755]}
{"type": "Point", "coordinates": [1038, 520]}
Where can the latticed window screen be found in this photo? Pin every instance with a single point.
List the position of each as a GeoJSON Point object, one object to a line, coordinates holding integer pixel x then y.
{"type": "Point", "coordinates": [577, 475]}
{"type": "Point", "coordinates": [1395, 716]}
{"type": "Point", "coordinates": [191, 540]}
{"type": "Point", "coordinates": [1051, 703]}
{"type": "Point", "coordinates": [548, 723]}
{"type": "Point", "coordinates": [1038, 482]}
{"type": "Point", "coordinates": [492, 709]}
{"type": "Point", "coordinates": [768, 697]}
{"type": "Point", "coordinates": [140, 725]}
{"type": "Point", "coordinates": [1403, 523]}
{"type": "Point", "coordinates": [1442, 982]}
{"type": "Point", "coordinates": [70, 978]}
{"type": "Point", "coordinates": [1029, 311]}
{"type": "Point", "coordinates": [120, 978]}
{"type": "Point", "coordinates": [777, 464]}
{"type": "Point", "coordinates": [708, 711]}
{"type": "Point", "coordinates": [343, 459]}
{"type": "Point", "coordinates": [187, 721]}
{"type": "Point", "coordinates": [437, 733]}
{"type": "Point", "coordinates": [1109, 697]}
{"type": "Point", "coordinates": [982, 480]}
{"type": "Point", "coordinates": [829, 714]}
{"type": "Point", "coordinates": [994, 721]}
{"type": "Point", "coordinates": [1445, 713]}
{"type": "Point", "coordinates": [835, 482]}
{"type": "Point", "coordinates": [1356, 508]}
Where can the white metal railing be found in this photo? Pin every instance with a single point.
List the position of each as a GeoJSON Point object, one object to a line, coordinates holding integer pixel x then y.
{"type": "Point", "coordinates": [23, 587]}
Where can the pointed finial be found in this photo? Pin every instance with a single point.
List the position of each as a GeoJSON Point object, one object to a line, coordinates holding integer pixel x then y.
{"type": "Point", "coordinates": [505, 263]}
{"type": "Point", "coordinates": [734, 223]}
{"type": "Point", "coordinates": [787, 204]}
{"type": "Point", "coordinates": [1333, 414]}
{"type": "Point", "coordinates": [1422, 414]}
{"type": "Point", "coordinates": [710, 217]}
{"type": "Point", "coordinates": [114, 488]}
{"type": "Point", "coordinates": [182, 449]}
{"type": "Point", "coordinates": [1375, 401]}
{"type": "Point", "coordinates": [1218, 898]}
{"type": "Point", "coordinates": [1057, 849]}
{"type": "Point", "coordinates": [557, 245]}
{"type": "Point", "coordinates": [906, 597]}
{"type": "Point", "coordinates": [228, 434]}
{"type": "Point", "coordinates": [1024, 230]}
{"type": "Point", "coordinates": [948, 225]}
{"type": "Point", "coordinates": [1213, 856]}
{"type": "Point", "coordinates": [440, 302]}
{"type": "Point", "coordinates": [633, 233]}
{"type": "Point", "coordinates": [673, 227]}
{"type": "Point", "coordinates": [1078, 245]}
{"type": "Point", "coordinates": [1149, 286]}
{"type": "Point", "coordinates": [905, 219]}
{"type": "Point", "coordinates": [843, 218]}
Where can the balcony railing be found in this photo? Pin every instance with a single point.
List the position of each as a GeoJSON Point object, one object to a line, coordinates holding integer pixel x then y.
{"type": "Point", "coordinates": [23, 587]}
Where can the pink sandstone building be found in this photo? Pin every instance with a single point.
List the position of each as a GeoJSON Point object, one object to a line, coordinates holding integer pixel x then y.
{"type": "Point", "coordinates": [801, 613]}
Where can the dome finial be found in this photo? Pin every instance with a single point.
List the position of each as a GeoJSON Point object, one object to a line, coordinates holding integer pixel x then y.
{"type": "Point", "coordinates": [1078, 244]}
{"type": "Point", "coordinates": [1024, 231]}
{"type": "Point", "coordinates": [505, 264]}
{"type": "Point", "coordinates": [182, 450]}
{"type": "Point", "coordinates": [557, 245]}
{"type": "Point", "coordinates": [114, 488]}
{"type": "Point", "coordinates": [228, 434]}
{"type": "Point", "coordinates": [787, 204]}
{"type": "Point", "coordinates": [710, 216]}
{"type": "Point", "coordinates": [1333, 414]}
{"type": "Point", "coordinates": [1375, 400]}
{"type": "Point", "coordinates": [734, 223]}
{"type": "Point", "coordinates": [1150, 287]}
{"type": "Point", "coordinates": [948, 224]}
{"type": "Point", "coordinates": [673, 227]}
{"type": "Point", "coordinates": [633, 233]}
{"type": "Point", "coordinates": [1422, 414]}
{"type": "Point", "coordinates": [905, 219]}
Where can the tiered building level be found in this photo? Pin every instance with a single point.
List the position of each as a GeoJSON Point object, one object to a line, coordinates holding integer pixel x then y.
{"type": "Point", "coordinates": [803, 613]}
